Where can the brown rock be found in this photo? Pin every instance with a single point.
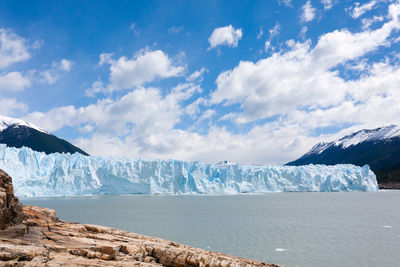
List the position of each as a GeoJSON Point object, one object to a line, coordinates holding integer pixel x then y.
{"type": "Point", "coordinates": [109, 250]}
{"type": "Point", "coordinates": [107, 257]}
{"type": "Point", "coordinates": [51, 242]}
{"type": "Point", "coordinates": [10, 208]}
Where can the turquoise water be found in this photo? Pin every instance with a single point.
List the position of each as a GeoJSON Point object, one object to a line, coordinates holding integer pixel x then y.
{"type": "Point", "coordinates": [296, 229]}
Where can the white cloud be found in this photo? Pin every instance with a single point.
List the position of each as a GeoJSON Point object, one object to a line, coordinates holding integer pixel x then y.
{"type": "Point", "coordinates": [51, 75]}
{"type": "Point", "coordinates": [14, 81]}
{"type": "Point", "coordinates": [328, 4]}
{"type": "Point", "coordinates": [285, 2]}
{"type": "Point", "coordinates": [301, 86]}
{"type": "Point", "coordinates": [135, 29]}
{"type": "Point", "coordinates": [143, 68]}
{"type": "Point", "coordinates": [175, 29]}
{"type": "Point", "coordinates": [207, 114]}
{"type": "Point", "coordinates": [300, 77]}
{"type": "Point", "coordinates": [144, 108]}
{"type": "Point", "coordinates": [274, 31]}
{"type": "Point", "coordinates": [9, 106]}
{"type": "Point", "coordinates": [225, 36]}
{"type": "Point", "coordinates": [193, 109]}
{"type": "Point", "coordinates": [303, 32]}
{"type": "Point", "coordinates": [260, 33]}
{"type": "Point", "coordinates": [106, 58]}
{"type": "Point", "coordinates": [197, 75]}
{"type": "Point", "coordinates": [13, 48]}
{"type": "Point", "coordinates": [308, 12]}
{"type": "Point", "coordinates": [47, 77]}
{"type": "Point", "coordinates": [267, 45]}
{"type": "Point", "coordinates": [97, 87]}
{"type": "Point", "coordinates": [66, 64]}
{"type": "Point", "coordinates": [37, 44]}
{"type": "Point", "coordinates": [358, 10]}
{"type": "Point", "coordinates": [367, 22]}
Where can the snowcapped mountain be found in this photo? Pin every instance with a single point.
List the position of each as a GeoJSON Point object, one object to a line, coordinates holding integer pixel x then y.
{"type": "Point", "coordinates": [375, 135]}
{"type": "Point", "coordinates": [379, 148]}
{"type": "Point", "coordinates": [6, 122]}
{"type": "Point", "coordinates": [18, 133]}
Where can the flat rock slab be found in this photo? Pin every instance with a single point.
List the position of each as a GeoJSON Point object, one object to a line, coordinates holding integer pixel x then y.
{"type": "Point", "coordinates": [44, 240]}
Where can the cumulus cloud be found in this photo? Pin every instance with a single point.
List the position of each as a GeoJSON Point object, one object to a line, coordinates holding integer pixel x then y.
{"type": "Point", "coordinates": [145, 109]}
{"type": "Point", "coordinates": [284, 98]}
{"type": "Point", "coordinates": [301, 77]}
{"type": "Point", "coordinates": [10, 106]}
{"type": "Point", "coordinates": [13, 48]}
{"type": "Point", "coordinates": [307, 12]}
{"type": "Point", "coordinates": [141, 121]}
{"type": "Point", "coordinates": [143, 68]}
{"type": "Point", "coordinates": [225, 36]}
{"type": "Point", "coordinates": [14, 81]}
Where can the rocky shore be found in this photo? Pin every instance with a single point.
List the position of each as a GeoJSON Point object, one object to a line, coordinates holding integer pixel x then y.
{"type": "Point", "coordinates": [34, 236]}
{"type": "Point", "coordinates": [390, 186]}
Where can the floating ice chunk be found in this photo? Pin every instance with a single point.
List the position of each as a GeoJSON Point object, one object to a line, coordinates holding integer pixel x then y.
{"type": "Point", "coordinates": [280, 250]}
{"type": "Point", "coordinates": [37, 174]}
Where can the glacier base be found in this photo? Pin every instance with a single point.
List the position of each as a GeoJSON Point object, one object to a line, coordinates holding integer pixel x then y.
{"type": "Point", "coordinates": [36, 174]}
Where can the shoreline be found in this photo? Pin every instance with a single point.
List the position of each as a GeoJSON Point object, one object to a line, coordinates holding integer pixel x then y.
{"type": "Point", "coordinates": [389, 186]}
{"type": "Point", "coordinates": [34, 236]}
{"type": "Point", "coordinates": [42, 240]}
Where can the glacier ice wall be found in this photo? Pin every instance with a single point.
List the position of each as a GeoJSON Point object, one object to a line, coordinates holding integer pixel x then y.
{"type": "Point", "coordinates": [37, 174]}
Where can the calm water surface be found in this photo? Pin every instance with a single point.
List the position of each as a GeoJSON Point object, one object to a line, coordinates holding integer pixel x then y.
{"type": "Point", "coordinates": [296, 229]}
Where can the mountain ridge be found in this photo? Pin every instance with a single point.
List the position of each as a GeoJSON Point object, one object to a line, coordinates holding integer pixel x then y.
{"type": "Point", "coordinates": [379, 148]}
{"type": "Point", "coordinates": [19, 133]}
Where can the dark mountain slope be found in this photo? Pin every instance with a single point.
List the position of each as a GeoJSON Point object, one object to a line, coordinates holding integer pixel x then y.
{"type": "Point", "coordinates": [379, 148]}
{"type": "Point", "coordinates": [15, 133]}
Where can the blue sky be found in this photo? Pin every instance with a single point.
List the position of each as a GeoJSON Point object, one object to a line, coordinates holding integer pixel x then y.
{"type": "Point", "coordinates": [247, 81]}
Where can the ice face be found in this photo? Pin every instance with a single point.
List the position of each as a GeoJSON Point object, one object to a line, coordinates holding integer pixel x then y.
{"type": "Point", "coordinates": [37, 174]}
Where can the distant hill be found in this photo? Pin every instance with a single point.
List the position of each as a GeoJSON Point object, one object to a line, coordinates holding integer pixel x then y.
{"type": "Point", "coordinates": [18, 133]}
{"type": "Point", "coordinates": [379, 148]}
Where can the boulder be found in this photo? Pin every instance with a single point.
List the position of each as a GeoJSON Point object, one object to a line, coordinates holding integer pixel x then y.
{"type": "Point", "coordinates": [10, 208]}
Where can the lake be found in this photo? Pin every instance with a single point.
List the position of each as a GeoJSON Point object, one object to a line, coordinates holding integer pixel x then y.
{"type": "Point", "coordinates": [296, 229]}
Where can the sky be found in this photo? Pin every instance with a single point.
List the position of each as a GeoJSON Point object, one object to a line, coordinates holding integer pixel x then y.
{"type": "Point", "coordinates": [254, 82]}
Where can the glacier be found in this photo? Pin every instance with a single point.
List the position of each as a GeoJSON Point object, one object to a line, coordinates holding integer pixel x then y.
{"type": "Point", "coordinates": [36, 174]}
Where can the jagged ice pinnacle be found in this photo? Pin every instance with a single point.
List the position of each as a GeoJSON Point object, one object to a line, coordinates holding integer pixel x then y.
{"type": "Point", "coordinates": [38, 174]}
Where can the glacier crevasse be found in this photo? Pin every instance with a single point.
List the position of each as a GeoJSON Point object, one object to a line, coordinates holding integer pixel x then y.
{"type": "Point", "coordinates": [37, 174]}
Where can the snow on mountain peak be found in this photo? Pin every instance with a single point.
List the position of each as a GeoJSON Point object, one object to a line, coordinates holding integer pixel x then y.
{"type": "Point", "coordinates": [381, 133]}
{"type": "Point", "coordinates": [319, 148]}
{"type": "Point", "coordinates": [6, 122]}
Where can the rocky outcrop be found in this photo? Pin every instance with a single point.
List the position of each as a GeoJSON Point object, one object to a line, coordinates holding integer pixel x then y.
{"type": "Point", "coordinates": [44, 240]}
{"type": "Point", "coordinates": [10, 208]}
